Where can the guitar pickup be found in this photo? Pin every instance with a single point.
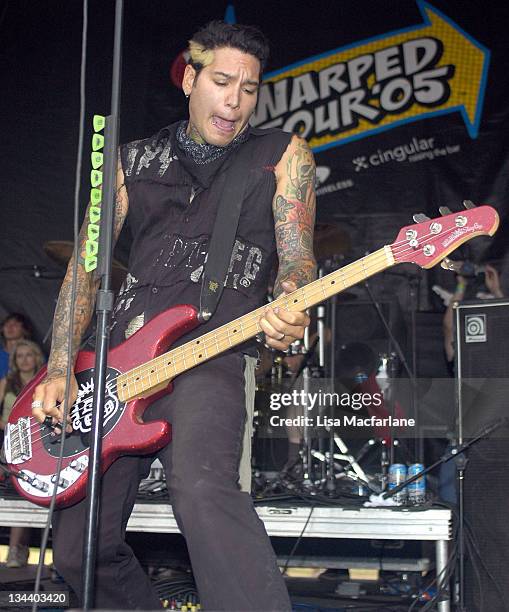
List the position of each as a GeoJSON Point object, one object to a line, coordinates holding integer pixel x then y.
{"type": "Point", "coordinates": [79, 465]}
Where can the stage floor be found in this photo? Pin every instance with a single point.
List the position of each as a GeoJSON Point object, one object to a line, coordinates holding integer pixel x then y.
{"type": "Point", "coordinates": [293, 520]}
{"type": "Point", "coordinates": [281, 519]}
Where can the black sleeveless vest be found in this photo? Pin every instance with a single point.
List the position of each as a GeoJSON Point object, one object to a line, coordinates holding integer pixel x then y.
{"type": "Point", "coordinates": [171, 216]}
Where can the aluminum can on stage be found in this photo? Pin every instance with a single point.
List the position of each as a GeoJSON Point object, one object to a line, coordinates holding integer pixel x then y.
{"type": "Point", "coordinates": [397, 475]}
{"type": "Point", "coordinates": [416, 489]}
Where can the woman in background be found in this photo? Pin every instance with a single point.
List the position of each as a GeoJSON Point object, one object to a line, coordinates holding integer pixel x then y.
{"type": "Point", "coordinates": [25, 361]}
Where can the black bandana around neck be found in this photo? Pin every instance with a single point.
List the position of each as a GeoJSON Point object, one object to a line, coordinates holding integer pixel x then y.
{"type": "Point", "coordinates": [205, 153]}
{"type": "Point", "coordinates": [202, 161]}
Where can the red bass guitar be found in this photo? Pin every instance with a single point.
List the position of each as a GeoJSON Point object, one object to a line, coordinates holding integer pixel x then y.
{"type": "Point", "coordinates": [142, 366]}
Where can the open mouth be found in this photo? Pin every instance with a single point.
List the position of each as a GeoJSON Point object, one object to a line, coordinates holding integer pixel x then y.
{"type": "Point", "coordinates": [223, 124]}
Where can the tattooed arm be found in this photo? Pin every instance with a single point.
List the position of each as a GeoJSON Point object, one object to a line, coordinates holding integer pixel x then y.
{"type": "Point", "coordinates": [294, 219]}
{"type": "Point", "coordinates": [294, 215]}
{"type": "Point", "coordinates": [52, 388]}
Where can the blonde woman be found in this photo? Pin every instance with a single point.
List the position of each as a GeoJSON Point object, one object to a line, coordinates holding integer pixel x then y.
{"type": "Point", "coordinates": [25, 361]}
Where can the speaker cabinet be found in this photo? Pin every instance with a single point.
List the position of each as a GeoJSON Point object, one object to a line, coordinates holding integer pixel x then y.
{"type": "Point", "coordinates": [482, 367]}
{"type": "Point", "coordinates": [481, 363]}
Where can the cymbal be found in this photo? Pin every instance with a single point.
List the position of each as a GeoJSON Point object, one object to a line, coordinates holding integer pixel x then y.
{"type": "Point", "coordinates": [330, 239]}
{"type": "Point", "coordinates": [61, 251]}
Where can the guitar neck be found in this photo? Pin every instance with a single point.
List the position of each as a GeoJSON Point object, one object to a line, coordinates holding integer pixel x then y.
{"type": "Point", "coordinates": [146, 379]}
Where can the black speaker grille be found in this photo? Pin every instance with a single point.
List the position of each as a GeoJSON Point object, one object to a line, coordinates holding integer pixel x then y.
{"type": "Point", "coordinates": [484, 340]}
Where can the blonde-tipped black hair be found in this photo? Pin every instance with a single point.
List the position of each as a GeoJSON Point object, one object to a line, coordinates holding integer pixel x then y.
{"type": "Point", "coordinates": [217, 34]}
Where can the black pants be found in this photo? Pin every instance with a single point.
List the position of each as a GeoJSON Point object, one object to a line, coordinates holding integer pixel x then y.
{"type": "Point", "coordinates": [233, 562]}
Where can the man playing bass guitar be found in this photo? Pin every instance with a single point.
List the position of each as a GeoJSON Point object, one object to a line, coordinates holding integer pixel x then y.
{"type": "Point", "coordinates": [170, 184]}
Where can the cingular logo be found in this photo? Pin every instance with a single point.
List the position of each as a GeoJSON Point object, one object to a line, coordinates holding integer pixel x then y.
{"type": "Point", "coordinates": [417, 148]}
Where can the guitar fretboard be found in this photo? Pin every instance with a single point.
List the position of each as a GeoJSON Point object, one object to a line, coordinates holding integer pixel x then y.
{"type": "Point", "coordinates": [146, 379]}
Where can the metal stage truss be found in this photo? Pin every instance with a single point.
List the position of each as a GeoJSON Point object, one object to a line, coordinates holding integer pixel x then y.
{"type": "Point", "coordinates": [287, 520]}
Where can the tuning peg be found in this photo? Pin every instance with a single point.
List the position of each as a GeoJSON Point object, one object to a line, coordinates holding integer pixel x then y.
{"type": "Point", "coordinates": [468, 204]}
{"type": "Point", "coordinates": [449, 264]}
{"type": "Point", "coordinates": [420, 218]}
{"type": "Point", "coordinates": [445, 210]}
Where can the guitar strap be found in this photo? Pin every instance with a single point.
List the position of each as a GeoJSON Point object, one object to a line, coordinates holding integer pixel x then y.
{"type": "Point", "coordinates": [223, 234]}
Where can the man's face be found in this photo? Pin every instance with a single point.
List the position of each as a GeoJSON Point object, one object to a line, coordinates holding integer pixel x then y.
{"type": "Point", "coordinates": [13, 329]}
{"type": "Point", "coordinates": [222, 97]}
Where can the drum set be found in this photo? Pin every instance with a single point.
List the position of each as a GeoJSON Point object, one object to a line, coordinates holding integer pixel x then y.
{"type": "Point", "coordinates": [318, 408]}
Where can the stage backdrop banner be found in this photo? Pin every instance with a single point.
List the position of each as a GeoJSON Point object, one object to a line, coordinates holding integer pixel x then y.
{"type": "Point", "coordinates": [397, 121]}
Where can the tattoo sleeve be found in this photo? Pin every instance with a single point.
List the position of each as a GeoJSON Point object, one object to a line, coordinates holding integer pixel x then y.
{"type": "Point", "coordinates": [294, 216]}
{"type": "Point", "coordinates": [86, 289]}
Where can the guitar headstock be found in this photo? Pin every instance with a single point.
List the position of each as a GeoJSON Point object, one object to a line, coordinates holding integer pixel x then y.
{"type": "Point", "coordinates": [428, 241]}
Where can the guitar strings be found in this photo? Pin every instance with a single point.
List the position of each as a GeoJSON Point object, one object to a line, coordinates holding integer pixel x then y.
{"type": "Point", "coordinates": [110, 387]}
{"type": "Point", "coordinates": [187, 351]}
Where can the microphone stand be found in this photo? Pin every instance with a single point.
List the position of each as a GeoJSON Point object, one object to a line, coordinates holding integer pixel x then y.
{"type": "Point", "coordinates": [104, 308]}
{"type": "Point", "coordinates": [397, 347]}
{"type": "Point", "coordinates": [461, 461]}
{"type": "Point", "coordinates": [453, 453]}
{"type": "Point", "coordinates": [320, 330]}
{"type": "Point", "coordinates": [331, 480]}
{"type": "Point", "coordinates": [306, 454]}
{"type": "Point", "coordinates": [303, 370]}
{"type": "Point", "coordinates": [334, 439]}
